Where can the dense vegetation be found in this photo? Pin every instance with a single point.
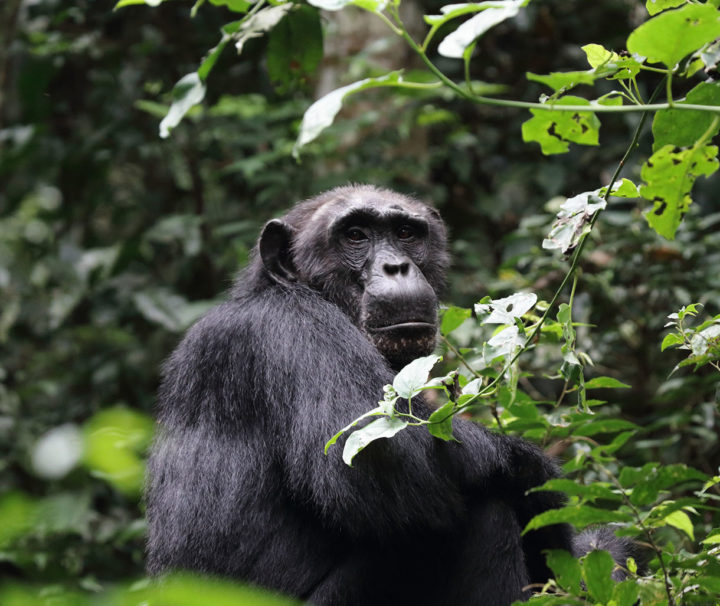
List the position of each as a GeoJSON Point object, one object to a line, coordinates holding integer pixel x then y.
{"type": "Point", "coordinates": [114, 239]}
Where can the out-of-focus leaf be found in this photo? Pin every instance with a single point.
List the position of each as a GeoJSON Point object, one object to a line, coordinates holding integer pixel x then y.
{"type": "Point", "coordinates": [566, 568]}
{"type": "Point", "coordinates": [596, 570]}
{"type": "Point", "coordinates": [260, 23]}
{"type": "Point", "coordinates": [189, 91]}
{"type": "Point", "coordinates": [454, 44]}
{"type": "Point", "coordinates": [321, 114]}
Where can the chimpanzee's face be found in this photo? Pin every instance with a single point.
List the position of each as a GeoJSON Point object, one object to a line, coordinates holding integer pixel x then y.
{"type": "Point", "coordinates": [381, 258]}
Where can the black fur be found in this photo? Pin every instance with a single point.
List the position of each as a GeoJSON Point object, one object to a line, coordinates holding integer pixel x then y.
{"type": "Point", "coordinates": [239, 485]}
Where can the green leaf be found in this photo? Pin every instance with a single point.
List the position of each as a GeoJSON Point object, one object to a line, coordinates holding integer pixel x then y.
{"type": "Point", "coordinates": [566, 568]}
{"type": "Point", "coordinates": [596, 570]}
{"type": "Point", "coordinates": [384, 427]}
{"type": "Point", "coordinates": [579, 516]}
{"type": "Point", "coordinates": [590, 492]}
{"type": "Point", "coordinates": [605, 382]}
{"type": "Point", "coordinates": [621, 189]}
{"type": "Point", "coordinates": [671, 340]}
{"type": "Point", "coordinates": [321, 114]}
{"type": "Point", "coordinates": [452, 318]}
{"type": "Point", "coordinates": [684, 128]}
{"type": "Point", "coordinates": [680, 520]}
{"type": "Point", "coordinates": [260, 23]}
{"type": "Point", "coordinates": [609, 64]}
{"type": "Point", "coordinates": [441, 422]}
{"type": "Point", "coordinates": [555, 130]}
{"type": "Point", "coordinates": [152, 3]}
{"type": "Point", "coordinates": [374, 6]}
{"type": "Point", "coordinates": [669, 175]}
{"type": "Point", "coordinates": [601, 425]}
{"type": "Point", "coordinates": [295, 48]}
{"type": "Point", "coordinates": [189, 91]}
{"type": "Point", "coordinates": [380, 410]}
{"type": "Point", "coordinates": [454, 44]}
{"type": "Point", "coordinates": [626, 593]}
{"type": "Point", "coordinates": [563, 80]}
{"type": "Point", "coordinates": [237, 6]}
{"type": "Point", "coordinates": [656, 6]}
{"type": "Point", "coordinates": [671, 36]}
{"type": "Point", "coordinates": [410, 380]}
{"type": "Point", "coordinates": [573, 221]}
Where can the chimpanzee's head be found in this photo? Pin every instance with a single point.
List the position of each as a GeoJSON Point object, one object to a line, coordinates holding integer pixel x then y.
{"type": "Point", "coordinates": [378, 255]}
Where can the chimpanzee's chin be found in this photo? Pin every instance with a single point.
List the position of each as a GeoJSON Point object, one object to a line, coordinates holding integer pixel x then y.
{"type": "Point", "coordinates": [402, 343]}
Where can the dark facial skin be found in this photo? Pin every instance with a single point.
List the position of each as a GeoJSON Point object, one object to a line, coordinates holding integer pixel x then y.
{"type": "Point", "coordinates": [377, 255]}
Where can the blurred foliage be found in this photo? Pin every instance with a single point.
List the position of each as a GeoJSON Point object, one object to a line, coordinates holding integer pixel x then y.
{"type": "Point", "coordinates": [113, 241]}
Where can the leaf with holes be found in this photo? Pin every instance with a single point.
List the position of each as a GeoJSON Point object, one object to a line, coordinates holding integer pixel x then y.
{"type": "Point", "coordinates": [669, 175]}
{"type": "Point", "coordinates": [683, 128]}
{"type": "Point", "coordinates": [505, 310]}
{"type": "Point", "coordinates": [554, 130]}
{"type": "Point", "coordinates": [573, 221]}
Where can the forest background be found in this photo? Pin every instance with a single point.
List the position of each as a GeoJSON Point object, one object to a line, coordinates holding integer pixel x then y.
{"type": "Point", "coordinates": [114, 240]}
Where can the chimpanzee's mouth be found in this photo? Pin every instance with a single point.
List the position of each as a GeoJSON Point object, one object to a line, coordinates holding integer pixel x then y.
{"type": "Point", "coordinates": [403, 326]}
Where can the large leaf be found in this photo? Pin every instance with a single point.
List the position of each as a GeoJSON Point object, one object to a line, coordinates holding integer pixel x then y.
{"type": "Point", "coordinates": [596, 570]}
{"type": "Point", "coordinates": [384, 427]}
{"type": "Point", "coordinates": [672, 35]}
{"type": "Point", "coordinates": [669, 175]}
{"type": "Point", "coordinates": [684, 128]}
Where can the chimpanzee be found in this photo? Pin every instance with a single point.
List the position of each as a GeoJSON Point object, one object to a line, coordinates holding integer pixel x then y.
{"type": "Point", "coordinates": [340, 294]}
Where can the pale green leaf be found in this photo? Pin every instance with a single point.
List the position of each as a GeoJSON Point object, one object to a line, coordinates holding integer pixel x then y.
{"type": "Point", "coordinates": [507, 309]}
{"type": "Point", "coordinates": [454, 44]}
{"type": "Point", "coordinates": [384, 427]}
{"type": "Point", "coordinates": [260, 23]}
{"type": "Point", "coordinates": [409, 381]}
{"type": "Point", "coordinates": [572, 221]}
{"type": "Point", "coordinates": [321, 114]}
{"type": "Point", "coordinates": [189, 91]}
{"type": "Point", "coordinates": [680, 520]}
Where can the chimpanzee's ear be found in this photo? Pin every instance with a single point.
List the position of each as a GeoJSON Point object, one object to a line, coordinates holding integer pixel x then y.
{"type": "Point", "coordinates": [275, 252]}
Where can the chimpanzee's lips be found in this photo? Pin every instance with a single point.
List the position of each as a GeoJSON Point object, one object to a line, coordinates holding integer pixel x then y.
{"type": "Point", "coordinates": [403, 326]}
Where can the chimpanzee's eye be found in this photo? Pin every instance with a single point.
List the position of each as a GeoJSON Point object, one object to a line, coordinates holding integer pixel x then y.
{"type": "Point", "coordinates": [355, 234]}
{"type": "Point", "coordinates": [405, 232]}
